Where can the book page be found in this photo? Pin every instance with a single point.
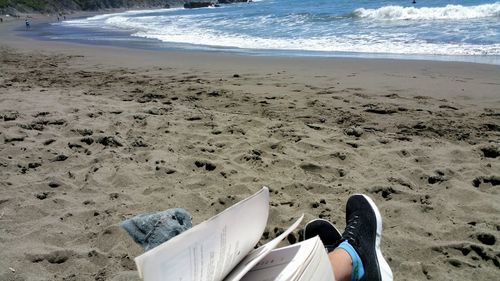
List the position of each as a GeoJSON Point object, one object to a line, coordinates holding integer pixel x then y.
{"type": "Point", "coordinates": [209, 251]}
{"type": "Point", "coordinates": [317, 267]}
{"type": "Point", "coordinates": [256, 255]}
{"type": "Point", "coordinates": [307, 261]}
{"type": "Point", "coordinates": [271, 266]}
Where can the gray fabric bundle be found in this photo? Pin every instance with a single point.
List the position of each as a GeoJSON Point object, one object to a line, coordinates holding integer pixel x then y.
{"type": "Point", "coordinates": [151, 230]}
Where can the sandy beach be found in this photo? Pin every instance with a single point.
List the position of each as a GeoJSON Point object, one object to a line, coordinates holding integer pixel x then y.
{"type": "Point", "coordinates": [93, 135]}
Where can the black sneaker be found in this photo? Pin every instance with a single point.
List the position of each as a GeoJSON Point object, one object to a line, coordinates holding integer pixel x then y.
{"type": "Point", "coordinates": [326, 231]}
{"type": "Point", "coordinates": [363, 232]}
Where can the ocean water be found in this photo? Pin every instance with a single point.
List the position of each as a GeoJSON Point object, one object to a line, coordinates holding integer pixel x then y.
{"type": "Point", "coordinates": [466, 30]}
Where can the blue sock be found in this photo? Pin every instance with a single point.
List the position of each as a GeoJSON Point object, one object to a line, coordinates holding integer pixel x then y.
{"type": "Point", "coordinates": [357, 266]}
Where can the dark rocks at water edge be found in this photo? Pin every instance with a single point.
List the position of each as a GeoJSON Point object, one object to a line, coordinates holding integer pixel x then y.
{"type": "Point", "coordinates": [233, 1]}
{"type": "Point", "coordinates": [193, 5]}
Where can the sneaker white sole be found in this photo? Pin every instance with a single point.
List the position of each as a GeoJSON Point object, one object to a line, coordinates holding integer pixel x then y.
{"type": "Point", "coordinates": [385, 269]}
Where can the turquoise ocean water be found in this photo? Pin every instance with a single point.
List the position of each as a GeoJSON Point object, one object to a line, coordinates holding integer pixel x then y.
{"type": "Point", "coordinates": [467, 30]}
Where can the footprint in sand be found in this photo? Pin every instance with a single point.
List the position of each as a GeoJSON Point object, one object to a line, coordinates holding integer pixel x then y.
{"type": "Point", "coordinates": [206, 164]}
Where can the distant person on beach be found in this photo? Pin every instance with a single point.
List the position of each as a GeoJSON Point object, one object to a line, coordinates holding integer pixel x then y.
{"type": "Point", "coordinates": [1, 20]}
{"type": "Point", "coordinates": [354, 255]}
{"type": "Point", "coordinates": [28, 26]}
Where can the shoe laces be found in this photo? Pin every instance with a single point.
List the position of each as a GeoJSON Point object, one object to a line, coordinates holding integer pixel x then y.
{"type": "Point", "coordinates": [351, 229]}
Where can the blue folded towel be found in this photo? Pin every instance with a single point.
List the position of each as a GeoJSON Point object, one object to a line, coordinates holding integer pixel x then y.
{"type": "Point", "coordinates": [151, 230]}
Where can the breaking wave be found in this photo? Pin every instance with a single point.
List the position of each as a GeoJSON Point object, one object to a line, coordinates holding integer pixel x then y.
{"type": "Point", "coordinates": [449, 12]}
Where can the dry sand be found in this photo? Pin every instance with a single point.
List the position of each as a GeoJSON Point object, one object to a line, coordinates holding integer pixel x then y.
{"type": "Point", "coordinates": [93, 135]}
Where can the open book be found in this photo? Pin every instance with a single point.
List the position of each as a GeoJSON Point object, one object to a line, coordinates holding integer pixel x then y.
{"type": "Point", "coordinates": [222, 248]}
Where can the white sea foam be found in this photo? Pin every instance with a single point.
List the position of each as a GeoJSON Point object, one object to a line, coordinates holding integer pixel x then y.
{"type": "Point", "coordinates": [449, 12]}
{"type": "Point", "coordinates": [253, 32]}
{"type": "Point", "coordinates": [361, 44]}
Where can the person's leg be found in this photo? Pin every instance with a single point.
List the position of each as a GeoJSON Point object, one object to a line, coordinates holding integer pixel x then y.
{"type": "Point", "coordinates": [341, 264]}
{"type": "Point", "coordinates": [356, 253]}
{"type": "Point", "coordinates": [330, 236]}
{"type": "Point", "coordinates": [358, 256]}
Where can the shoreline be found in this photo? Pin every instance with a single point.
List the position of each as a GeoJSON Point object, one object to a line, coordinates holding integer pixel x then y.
{"type": "Point", "coordinates": [92, 135]}
{"type": "Point", "coordinates": [145, 44]}
{"type": "Point", "coordinates": [378, 70]}
{"type": "Point", "coordinates": [122, 39]}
